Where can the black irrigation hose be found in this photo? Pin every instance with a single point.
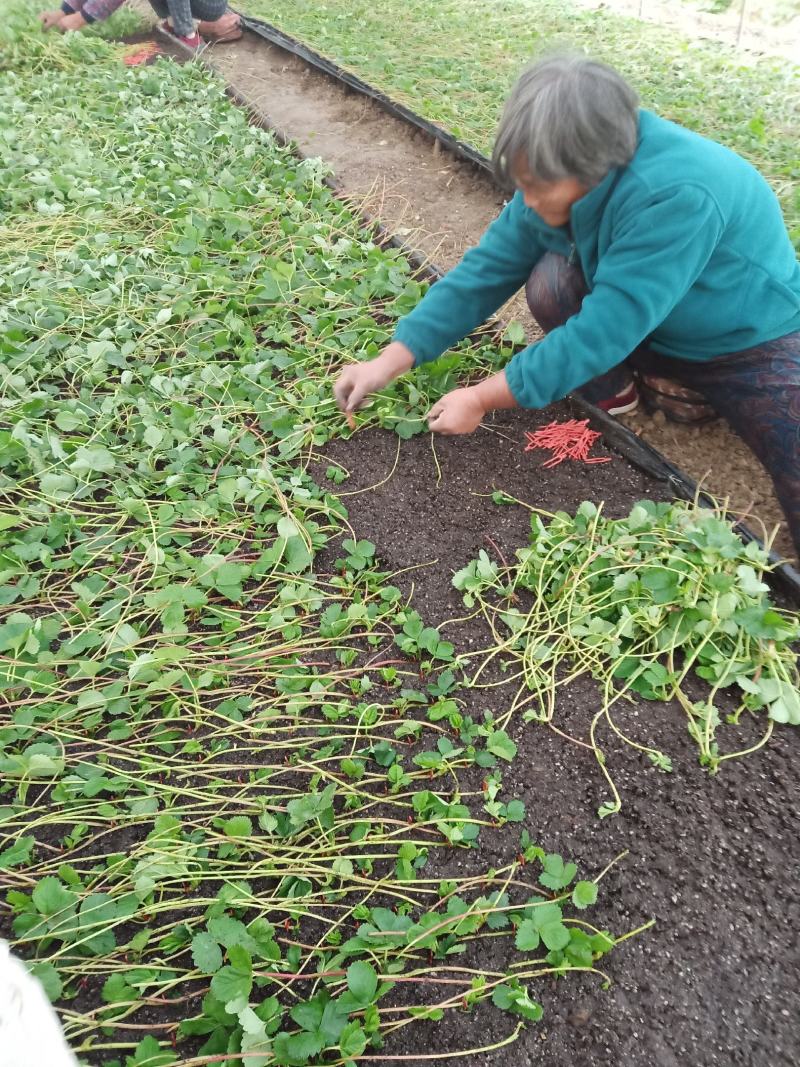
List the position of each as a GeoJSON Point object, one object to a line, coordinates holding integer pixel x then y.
{"type": "Point", "coordinates": [632, 447]}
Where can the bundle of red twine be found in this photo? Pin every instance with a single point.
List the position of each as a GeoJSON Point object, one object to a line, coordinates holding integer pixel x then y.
{"type": "Point", "coordinates": [141, 55]}
{"type": "Point", "coordinates": [566, 440]}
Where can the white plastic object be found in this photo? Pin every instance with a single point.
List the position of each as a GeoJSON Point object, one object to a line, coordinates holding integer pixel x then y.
{"type": "Point", "coordinates": [30, 1032]}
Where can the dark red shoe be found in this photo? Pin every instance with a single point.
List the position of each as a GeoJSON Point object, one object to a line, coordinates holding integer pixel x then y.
{"type": "Point", "coordinates": [623, 403]}
{"type": "Point", "coordinates": [191, 44]}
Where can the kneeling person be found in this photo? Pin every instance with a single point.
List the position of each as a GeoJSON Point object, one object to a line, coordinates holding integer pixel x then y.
{"type": "Point", "coordinates": [189, 21]}
{"type": "Point", "coordinates": [656, 261]}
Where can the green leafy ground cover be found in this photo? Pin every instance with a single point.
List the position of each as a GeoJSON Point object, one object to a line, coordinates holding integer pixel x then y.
{"type": "Point", "coordinates": [231, 774]}
{"type": "Point", "coordinates": [453, 62]}
{"type": "Point", "coordinates": [648, 604]}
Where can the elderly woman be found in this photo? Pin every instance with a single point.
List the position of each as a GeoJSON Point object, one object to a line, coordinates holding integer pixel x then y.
{"type": "Point", "coordinates": [190, 22]}
{"type": "Point", "coordinates": [656, 262]}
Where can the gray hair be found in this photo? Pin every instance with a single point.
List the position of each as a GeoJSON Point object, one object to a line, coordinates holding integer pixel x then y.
{"type": "Point", "coordinates": [570, 117]}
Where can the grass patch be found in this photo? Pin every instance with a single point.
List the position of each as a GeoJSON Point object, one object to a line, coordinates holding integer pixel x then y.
{"type": "Point", "coordinates": [454, 62]}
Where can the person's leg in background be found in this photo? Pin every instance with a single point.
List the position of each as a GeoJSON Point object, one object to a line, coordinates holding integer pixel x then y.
{"type": "Point", "coordinates": [179, 16]}
{"type": "Point", "coordinates": [212, 18]}
{"type": "Point", "coordinates": [160, 8]}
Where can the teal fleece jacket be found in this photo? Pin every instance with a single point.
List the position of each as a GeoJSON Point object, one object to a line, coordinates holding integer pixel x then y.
{"type": "Point", "coordinates": [685, 247]}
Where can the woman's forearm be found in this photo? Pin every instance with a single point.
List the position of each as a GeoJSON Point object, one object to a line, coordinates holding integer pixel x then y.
{"type": "Point", "coordinates": [494, 393]}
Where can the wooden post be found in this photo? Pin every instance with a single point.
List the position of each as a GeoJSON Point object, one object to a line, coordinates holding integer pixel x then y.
{"type": "Point", "coordinates": [740, 29]}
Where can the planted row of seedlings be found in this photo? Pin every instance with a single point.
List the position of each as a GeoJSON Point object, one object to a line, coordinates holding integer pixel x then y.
{"type": "Point", "coordinates": [234, 769]}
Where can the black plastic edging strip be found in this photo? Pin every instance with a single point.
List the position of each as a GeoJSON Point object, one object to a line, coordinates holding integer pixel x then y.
{"type": "Point", "coordinates": [632, 447]}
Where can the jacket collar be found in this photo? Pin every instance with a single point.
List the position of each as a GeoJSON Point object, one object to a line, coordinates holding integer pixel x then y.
{"type": "Point", "coordinates": [587, 212]}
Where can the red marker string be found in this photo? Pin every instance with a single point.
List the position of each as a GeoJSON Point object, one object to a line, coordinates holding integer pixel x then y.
{"type": "Point", "coordinates": [566, 440]}
{"type": "Point", "coordinates": [141, 55]}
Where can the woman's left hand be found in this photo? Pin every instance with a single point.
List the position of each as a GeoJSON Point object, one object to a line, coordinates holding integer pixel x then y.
{"type": "Point", "coordinates": [459, 411]}
{"type": "Point", "coordinates": [75, 21]}
{"type": "Point", "coordinates": [49, 19]}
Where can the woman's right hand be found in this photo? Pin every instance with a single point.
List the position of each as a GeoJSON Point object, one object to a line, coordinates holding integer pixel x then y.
{"type": "Point", "coordinates": [358, 380]}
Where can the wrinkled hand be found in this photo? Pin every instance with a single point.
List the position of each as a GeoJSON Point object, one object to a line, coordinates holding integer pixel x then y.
{"type": "Point", "coordinates": [459, 411]}
{"type": "Point", "coordinates": [72, 22]}
{"type": "Point", "coordinates": [358, 380]}
{"type": "Point", "coordinates": [49, 19]}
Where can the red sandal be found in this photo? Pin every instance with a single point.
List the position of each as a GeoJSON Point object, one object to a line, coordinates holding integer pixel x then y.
{"type": "Point", "coordinates": [192, 44]}
{"type": "Point", "coordinates": [625, 401]}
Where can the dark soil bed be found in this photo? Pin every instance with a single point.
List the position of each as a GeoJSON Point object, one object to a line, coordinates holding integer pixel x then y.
{"type": "Point", "coordinates": [712, 859]}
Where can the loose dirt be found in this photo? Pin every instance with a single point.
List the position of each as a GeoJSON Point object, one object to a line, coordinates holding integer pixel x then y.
{"type": "Point", "coordinates": [713, 860]}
